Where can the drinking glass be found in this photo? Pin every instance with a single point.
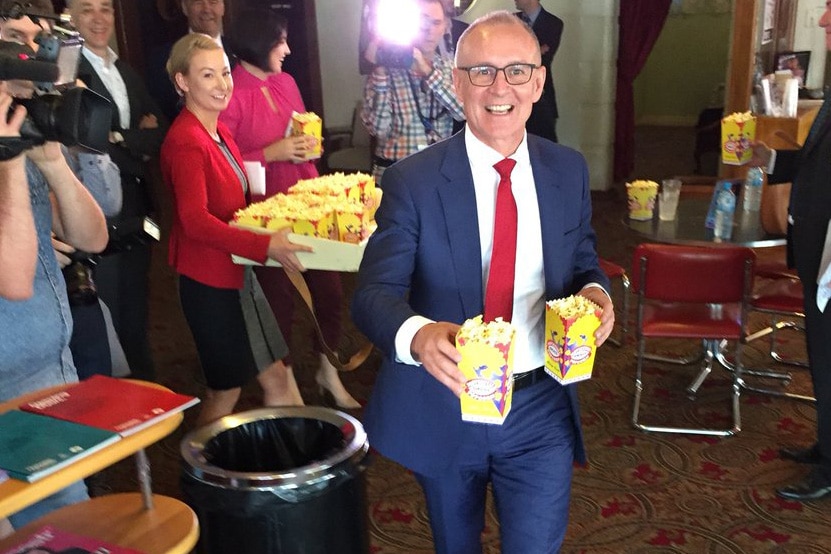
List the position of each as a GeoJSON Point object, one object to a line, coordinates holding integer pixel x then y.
{"type": "Point", "coordinates": [668, 199]}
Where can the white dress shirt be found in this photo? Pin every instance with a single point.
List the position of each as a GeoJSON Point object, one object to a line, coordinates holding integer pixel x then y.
{"type": "Point", "coordinates": [529, 284]}
{"type": "Point", "coordinates": [114, 83]}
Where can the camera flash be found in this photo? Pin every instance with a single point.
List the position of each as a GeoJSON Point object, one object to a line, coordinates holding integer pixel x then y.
{"type": "Point", "coordinates": [397, 21]}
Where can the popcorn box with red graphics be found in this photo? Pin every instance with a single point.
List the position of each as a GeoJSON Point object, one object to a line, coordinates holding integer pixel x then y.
{"type": "Point", "coordinates": [570, 347]}
{"type": "Point", "coordinates": [316, 223]}
{"type": "Point", "coordinates": [487, 363]}
{"type": "Point", "coordinates": [353, 222]}
{"type": "Point", "coordinates": [310, 124]}
{"type": "Point", "coordinates": [738, 131]}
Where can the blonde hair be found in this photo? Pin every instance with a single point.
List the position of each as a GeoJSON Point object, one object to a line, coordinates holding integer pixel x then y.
{"type": "Point", "coordinates": [182, 53]}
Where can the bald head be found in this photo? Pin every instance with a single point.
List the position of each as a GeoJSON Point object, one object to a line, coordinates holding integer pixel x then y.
{"type": "Point", "coordinates": [487, 26]}
{"type": "Point", "coordinates": [500, 46]}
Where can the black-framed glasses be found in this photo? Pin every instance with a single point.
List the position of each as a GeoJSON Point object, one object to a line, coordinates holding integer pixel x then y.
{"type": "Point", "coordinates": [485, 75]}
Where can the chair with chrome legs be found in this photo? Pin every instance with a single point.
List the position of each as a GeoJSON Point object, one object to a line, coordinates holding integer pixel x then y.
{"type": "Point", "coordinates": [780, 297]}
{"type": "Point", "coordinates": [614, 271]}
{"type": "Point", "coordinates": [692, 292]}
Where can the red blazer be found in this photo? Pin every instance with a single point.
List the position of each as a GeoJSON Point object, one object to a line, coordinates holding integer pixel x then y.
{"type": "Point", "coordinates": [206, 193]}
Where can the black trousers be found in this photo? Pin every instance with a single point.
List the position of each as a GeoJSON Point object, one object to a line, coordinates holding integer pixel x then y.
{"type": "Point", "coordinates": [88, 344]}
{"type": "Point", "coordinates": [122, 282]}
{"type": "Point", "coordinates": [808, 240]}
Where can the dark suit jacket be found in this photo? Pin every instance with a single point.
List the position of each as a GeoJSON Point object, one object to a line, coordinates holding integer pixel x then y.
{"type": "Point", "coordinates": [809, 168]}
{"type": "Point", "coordinates": [424, 258]}
{"type": "Point", "coordinates": [130, 156]}
{"type": "Point", "coordinates": [549, 30]}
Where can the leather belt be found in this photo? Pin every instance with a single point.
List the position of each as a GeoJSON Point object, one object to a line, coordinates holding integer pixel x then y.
{"type": "Point", "coordinates": [528, 378]}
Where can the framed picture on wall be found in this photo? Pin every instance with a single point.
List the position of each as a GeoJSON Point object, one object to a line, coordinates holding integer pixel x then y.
{"type": "Point", "coordinates": [796, 62]}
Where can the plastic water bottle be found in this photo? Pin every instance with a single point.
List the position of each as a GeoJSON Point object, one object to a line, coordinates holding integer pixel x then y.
{"type": "Point", "coordinates": [752, 200]}
{"type": "Point", "coordinates": [725, 209]}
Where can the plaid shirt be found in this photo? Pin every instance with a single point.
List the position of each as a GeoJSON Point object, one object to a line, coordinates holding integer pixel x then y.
{"type": "Point", "coordinates": [393, 114]}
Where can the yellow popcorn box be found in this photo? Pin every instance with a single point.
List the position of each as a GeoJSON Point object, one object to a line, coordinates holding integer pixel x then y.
{"type": "Point", "coordinates": [316, 223]}
{"type": "Point", "coordinates": [570, 347]}
{"type": "Point", "coordinates": [365, 188]}
{"type": "Point", "coordinates": [310, 124]}
{"type": "Point", "coordinates": [641, 195]}
{"type": "Point", "coordinates": [738, 131]}
{"type": "Point", "coordinates": [247, 219]}
{"type": "Point", "coordinates": [280, 221]}
{"type": "Point", "coordinates": [487, 362]}
{"type": "Point", "coordinates": [352, 222]}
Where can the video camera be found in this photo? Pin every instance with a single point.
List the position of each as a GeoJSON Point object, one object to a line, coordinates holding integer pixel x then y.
{"type": "Point", "coordinates": [60, 111]}
{"type": "Point", "coordinates": [124, 236]}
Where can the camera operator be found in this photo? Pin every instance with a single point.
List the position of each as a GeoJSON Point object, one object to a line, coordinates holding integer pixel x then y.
{"type": "Point", "coordinates": [409, 102]}
{"type": "Point", "coordinates": [89, 344]}
{"type": "Point", "coordinates": [39, 195]}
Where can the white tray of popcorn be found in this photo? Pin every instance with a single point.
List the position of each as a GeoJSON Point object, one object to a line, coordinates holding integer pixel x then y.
{"type": "Point", "coordinates": [333, 214]}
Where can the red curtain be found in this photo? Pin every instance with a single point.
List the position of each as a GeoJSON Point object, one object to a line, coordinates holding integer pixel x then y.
{"type": "Point", "coordinates": [639, 24]}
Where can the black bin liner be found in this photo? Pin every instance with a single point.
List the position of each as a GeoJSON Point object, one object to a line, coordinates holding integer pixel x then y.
{"type": "Point", "coordinates": [278, 481]}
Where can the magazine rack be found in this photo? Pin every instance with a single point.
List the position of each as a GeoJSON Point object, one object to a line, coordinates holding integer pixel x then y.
{"type": "Point", "coordinates": [144, 521]}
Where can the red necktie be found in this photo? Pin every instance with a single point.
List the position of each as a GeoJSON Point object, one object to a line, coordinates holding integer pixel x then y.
{"type": "Point", "coordinates": [499, 296]}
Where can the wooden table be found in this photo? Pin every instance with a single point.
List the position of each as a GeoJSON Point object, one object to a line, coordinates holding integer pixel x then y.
{"type": "Point", "coordinates": [170, 527]}
{"type": "Point", "coordinates": [135, 517]}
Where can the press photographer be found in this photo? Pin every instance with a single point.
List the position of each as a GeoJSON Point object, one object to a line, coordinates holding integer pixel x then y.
{"type": "Point", "coordinates": [39, 195]}
{"type": "Point", "coordinates": [409, 101]}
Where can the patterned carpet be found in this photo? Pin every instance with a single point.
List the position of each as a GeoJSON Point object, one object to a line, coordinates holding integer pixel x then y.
{"type": "Point", "coordinates": [640, 493]}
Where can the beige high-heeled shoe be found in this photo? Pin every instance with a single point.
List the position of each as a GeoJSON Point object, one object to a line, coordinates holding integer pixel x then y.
{"type": "Point", "coordinates": [279, 386]}
{"type": "Point", "coordinates": [331, 388]}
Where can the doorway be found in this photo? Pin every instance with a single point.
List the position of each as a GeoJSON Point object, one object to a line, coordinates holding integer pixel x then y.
{"type": "Point", "coordinates": [679, 94]}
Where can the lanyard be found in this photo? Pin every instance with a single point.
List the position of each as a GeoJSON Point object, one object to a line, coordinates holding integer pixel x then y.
{"type": "Point", "coordinates": [426, 121]}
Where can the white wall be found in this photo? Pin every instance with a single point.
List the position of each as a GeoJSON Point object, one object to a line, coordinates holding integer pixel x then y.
{"type": "Point", "coordinates": [809, 36]}
{"type": "Point", "coordinates": [583, 70]}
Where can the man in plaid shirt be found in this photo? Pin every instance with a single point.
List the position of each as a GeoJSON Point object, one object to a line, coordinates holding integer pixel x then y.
{"type": "Point", "coordinates": [408, 109]}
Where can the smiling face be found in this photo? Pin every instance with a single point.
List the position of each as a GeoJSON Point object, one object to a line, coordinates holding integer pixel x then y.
{"type": "Point", "coordinates": [207, 84]}
{"type": "Point", "coordinates": [204, 16]}
{"type": "Point", "coordinates": [496, 114]}
{"type": "Point", "coordinates": [278, 54]}
{"type": "Point", "coordinates": [95, 21]}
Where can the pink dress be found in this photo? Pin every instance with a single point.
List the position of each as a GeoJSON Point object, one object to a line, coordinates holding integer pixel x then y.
{"type": "Point", "coordinates": [258, 114]}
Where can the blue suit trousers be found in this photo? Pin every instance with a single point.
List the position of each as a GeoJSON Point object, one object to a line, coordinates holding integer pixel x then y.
{"type": "Point", "coordinates": [528, 462]}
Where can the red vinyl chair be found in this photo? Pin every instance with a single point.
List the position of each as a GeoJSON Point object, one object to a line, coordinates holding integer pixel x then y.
{"type": "Point", "coordinates": [614, 271]}
{"type": "Point", "coordinates": [779, 297]}
{"type": "Point", "coordinates": [692, 292]}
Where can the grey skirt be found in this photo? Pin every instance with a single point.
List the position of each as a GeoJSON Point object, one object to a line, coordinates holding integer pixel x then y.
{"type": "Point", "coordinates": [267, 342]}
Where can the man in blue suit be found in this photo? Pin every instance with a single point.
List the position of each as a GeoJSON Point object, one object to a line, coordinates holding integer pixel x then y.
{"type": "Point", "coordinates": [425, 271]}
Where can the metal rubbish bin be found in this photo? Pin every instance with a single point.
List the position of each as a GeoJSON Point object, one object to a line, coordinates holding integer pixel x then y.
{"type": "Point", "coordinates": [278, 480]}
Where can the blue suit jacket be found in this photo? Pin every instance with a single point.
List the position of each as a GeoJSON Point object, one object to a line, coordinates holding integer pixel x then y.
{"type": "Point", "coordinates": [424, 258]}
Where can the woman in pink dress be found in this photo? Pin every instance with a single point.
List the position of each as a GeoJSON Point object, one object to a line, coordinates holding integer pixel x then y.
{"type": "Point", "coordinates": [259, 113]}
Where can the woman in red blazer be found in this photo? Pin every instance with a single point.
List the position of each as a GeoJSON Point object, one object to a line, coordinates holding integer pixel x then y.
{"type": "Point", "coordinates": [204, 170]}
